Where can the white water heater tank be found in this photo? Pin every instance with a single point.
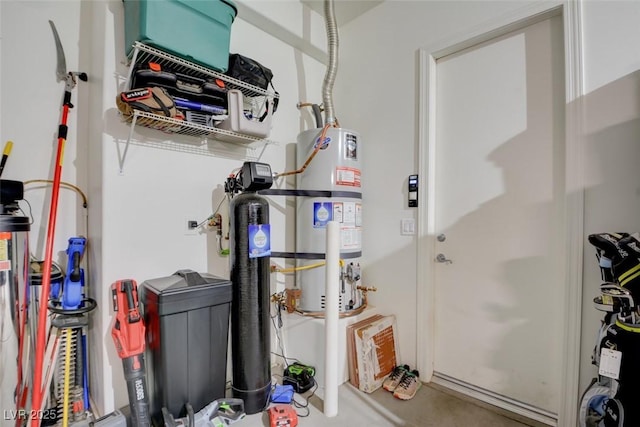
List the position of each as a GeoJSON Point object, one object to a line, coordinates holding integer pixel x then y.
{"type": "Point", "coordinates": [329, 190]}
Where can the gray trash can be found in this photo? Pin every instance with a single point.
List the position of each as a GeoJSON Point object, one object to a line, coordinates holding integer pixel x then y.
{"type": "Point", "coordinates": [187, 323]}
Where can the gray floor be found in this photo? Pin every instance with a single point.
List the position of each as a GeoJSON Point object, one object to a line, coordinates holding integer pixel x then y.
{"type": "Point", "coordinates": [431, 406]}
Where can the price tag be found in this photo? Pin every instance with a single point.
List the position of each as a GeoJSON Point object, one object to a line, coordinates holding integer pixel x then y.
{"type": "Point", "coordinates": [610, 363]}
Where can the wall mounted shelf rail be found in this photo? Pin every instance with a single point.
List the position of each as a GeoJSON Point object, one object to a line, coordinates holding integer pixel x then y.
{"type": "Point", "coordinates": [203, 139]}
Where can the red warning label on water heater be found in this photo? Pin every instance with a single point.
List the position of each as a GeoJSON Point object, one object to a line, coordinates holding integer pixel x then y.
{"type": "Point", "coordinates": [347, 176]}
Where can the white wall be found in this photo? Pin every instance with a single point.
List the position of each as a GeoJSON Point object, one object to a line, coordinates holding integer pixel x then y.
{"type": "Point", "coordinates": [144, 209]}
{"type": "Point", "coordinates": [32, 104]}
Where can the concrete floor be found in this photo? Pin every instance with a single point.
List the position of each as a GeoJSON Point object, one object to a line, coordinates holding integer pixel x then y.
{"type": "Point", "coordinates": [432, 406]}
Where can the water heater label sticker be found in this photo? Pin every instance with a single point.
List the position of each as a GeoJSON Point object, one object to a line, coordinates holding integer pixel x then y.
{"type": "Point", "coordinates": [259, 240]}
{"type": "Point", "coordinates": [338, 210]}
{"type": "Point", "coordinates": [351, 147]}
{"type": "Point", "coordinates": [348, 176]}
{"type": "Point", "coordinates": [349, 213]}
{"type": "Point", "coordinates": [322, 214]}
{"type": "Point", "coordinates": [358, 215]}
{"type": "Point", "coordinates": [349, 238]}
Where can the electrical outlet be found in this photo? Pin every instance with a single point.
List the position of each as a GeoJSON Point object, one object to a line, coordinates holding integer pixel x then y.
{"type": "Point", "coordinates": [190, 226]}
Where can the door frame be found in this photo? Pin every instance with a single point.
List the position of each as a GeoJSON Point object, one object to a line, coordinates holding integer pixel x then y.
{"type": "Point", "coordinates": [571, 12]}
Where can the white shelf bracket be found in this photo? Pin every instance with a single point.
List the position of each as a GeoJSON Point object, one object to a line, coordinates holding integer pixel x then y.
{"type": "Point", "coordinates": [122, 156]}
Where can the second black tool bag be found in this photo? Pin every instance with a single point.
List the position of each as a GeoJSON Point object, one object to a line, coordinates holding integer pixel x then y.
{"type": "Point", "coordinates": [249, 71]}
{"type": "Point", "coordinates": [195, 89]}
{"type": "Point", "coordinates": [252, 72]}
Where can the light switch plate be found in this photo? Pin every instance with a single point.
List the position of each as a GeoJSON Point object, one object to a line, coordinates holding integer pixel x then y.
{"type": "Point", "coordinates": [408, 227]}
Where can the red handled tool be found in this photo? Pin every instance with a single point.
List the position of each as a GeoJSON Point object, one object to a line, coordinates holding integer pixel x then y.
{"type": "Point", "coordinates": [128, 335]}
{"type": "Point", "coordinates": [70, 82]}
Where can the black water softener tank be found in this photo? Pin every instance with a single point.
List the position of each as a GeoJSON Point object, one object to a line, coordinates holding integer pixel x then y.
{"type": "Point", "coordinates": [249, 261]}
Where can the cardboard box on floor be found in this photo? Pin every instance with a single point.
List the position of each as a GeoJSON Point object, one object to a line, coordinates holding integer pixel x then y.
{"type": "Point", "coordinates": [372, 346]}
{"type": "Point", "coordinates": [351, 348]}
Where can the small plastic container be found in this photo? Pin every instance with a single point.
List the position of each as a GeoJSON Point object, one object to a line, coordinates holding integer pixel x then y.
{"type": "Point", "coordinates": [239, 123]}
{"type": "Point", "coordinates": [196, 30]}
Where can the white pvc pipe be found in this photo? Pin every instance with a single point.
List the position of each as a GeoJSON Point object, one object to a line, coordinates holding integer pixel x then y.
{"type": "Point", "coordinates": [331, 318]}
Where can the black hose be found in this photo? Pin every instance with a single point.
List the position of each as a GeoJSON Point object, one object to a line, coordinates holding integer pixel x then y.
{"type": "Point", "coordinates": [318, 115]}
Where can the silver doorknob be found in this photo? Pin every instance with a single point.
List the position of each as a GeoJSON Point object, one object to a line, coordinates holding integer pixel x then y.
{"type": "Point", "coordinates": [442, 258]}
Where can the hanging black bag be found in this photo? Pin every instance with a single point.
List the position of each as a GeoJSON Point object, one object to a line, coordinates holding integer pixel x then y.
{"type": "Point", "coordinates": [249, 71]}
{"type": "Point", "coordinates": [252, 72]}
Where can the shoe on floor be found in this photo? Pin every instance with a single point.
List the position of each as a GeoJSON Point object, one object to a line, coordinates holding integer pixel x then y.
{"type": "Point", "coordinates": [409, 385]}
{"type": "Point", "coordinates": [394, 378]}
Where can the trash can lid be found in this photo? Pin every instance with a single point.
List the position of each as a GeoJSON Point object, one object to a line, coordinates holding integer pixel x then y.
{"type": "Point", "coordinates": [185, 290]}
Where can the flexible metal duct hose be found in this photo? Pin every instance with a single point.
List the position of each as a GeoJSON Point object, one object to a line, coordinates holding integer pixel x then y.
{"type": "Point", "coordinates": [332, 68]}
{"type": "Point", "coordinates": [250, 334]}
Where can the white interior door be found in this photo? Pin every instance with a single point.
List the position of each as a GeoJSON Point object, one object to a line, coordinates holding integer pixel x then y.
{"type": "Point", "coordinates": [499, 191]}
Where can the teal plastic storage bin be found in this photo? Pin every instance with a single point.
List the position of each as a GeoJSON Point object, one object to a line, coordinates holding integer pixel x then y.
{"type": "Point", "coordinates": [196, 30]}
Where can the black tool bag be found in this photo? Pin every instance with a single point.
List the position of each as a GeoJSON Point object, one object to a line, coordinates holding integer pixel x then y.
{"type": "Point", "coordinates": [249, 71]}
{"type": "Point", "coordinates": [252, 72]}
{"type": "Point", "coordinates": [205, 91]}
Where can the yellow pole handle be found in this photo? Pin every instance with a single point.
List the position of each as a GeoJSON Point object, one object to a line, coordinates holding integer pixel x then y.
{"type": "Point", "coordinates": [7, 148]}
{"type": "Point", "coordinates": [67, 368]}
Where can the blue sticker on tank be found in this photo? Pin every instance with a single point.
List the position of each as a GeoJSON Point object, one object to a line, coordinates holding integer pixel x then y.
{"type": "Point", "coordinates": [259, 240]}
{"type": "Point", "coordinates": [325, 142]}
{"type": "Point", "coordinates": [322, 214]}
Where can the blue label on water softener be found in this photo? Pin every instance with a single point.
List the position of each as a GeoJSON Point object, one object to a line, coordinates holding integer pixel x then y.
{"type": "Point", "coordinates": [259, 240]}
